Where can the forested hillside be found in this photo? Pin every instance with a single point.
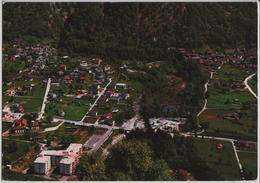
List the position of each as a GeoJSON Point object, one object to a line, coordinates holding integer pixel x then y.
{"type": "Point", "coordinates": [133, 30]}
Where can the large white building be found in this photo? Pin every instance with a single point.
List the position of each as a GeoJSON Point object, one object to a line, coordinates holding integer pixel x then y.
{"type": "Point", "coordinates": [65, 159]}
{"type": "Point", "coordinates": [67, 165]}
{"type": "Point", "coordinates": [167, 124]}
{"type": "Point", "coordinates": [42, 164]}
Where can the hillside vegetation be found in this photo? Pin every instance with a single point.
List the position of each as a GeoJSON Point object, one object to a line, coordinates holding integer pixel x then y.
{"type": "Point", "coordinates": [133, 30]}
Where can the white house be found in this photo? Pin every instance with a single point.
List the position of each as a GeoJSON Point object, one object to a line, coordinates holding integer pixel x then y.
{"type": "Point", "coordinates": [120, 85]}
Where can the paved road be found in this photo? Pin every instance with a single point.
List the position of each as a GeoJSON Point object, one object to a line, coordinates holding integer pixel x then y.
{"type": "Point", "coordinates": [79, 123]}
{"type": "Point", "coordinates": [102, 140]}
{"type": "Point", "coordinates": [205, 91]}
{"type": "Point", "coordinates": [45, 99]}
{"type": "Point", "coordinates": [100, 95]}
{"type": "Point", "coordinates": [53, 128]}
{"type": "Point", "coordinates": [248, 87]}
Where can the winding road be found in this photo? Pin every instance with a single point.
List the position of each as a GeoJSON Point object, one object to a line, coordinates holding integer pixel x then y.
{"type": "Point", "coordinates": [205, 91]}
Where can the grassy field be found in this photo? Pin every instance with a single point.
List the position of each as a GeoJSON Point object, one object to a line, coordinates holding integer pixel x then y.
{"type": "Point", "coordinates": [222, 161]}
{"type": "Point", "coordinates": [219, 100]}
{"type": "Point", "coordinates": [74, 108]}
{"type": "Point", "coordinates": [33, 100]}
{"type": "Point", "coordinates": [249, 163]}
{"type": "Point", "coordinates": [30, 104]}
{"type": "Point", "coordinates": [37, 91]}
{"type": "Point", "coordinates": [224, 100]}
{"type": "Point", "coordinates": [218, 126]}
{"type": "Point", "coordinates": [228, 72]}
{"type": "Point", "coordinates": [13, 150]}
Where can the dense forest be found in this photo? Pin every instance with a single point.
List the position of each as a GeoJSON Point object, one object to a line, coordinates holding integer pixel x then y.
{"type": "Point", "coordinates": [132, 30]}
{"type": "Point", "coordinates": [147, 156]}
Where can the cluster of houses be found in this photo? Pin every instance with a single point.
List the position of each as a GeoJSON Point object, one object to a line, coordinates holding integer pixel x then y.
{"type": "Point", "coordinates": [66, 160]}
{"type": "Point", "coordinates": [12, 112]}
{"type": "Point", "coordinates": [28, 53]}
{"type": "Point", "coordinates": [14, 90]}
{"type": "Point", "coordinates": [21, 122]}
{"type": "Point", "coordinates": [169, 125]}
{"type": "Point", "coordinates": [89, 72]}
{"type": "Point", "coordinates": [93, 67]}
{"type": "Point", "coordinates": [118, 93]}
{"type": "Point", "coordinates": [26, 123]}
{"type": "Point", "coordinates": [90, 76]}
{"type": "Point", "coordinates": [37, 56]}
{"type": "Point", "coordinates": [242, 57]}
{"type": "Point", "coordinates": [23, 125]}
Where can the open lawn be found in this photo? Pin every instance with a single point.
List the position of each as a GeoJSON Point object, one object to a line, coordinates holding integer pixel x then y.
{"type": "Point", "coordinates": [30, 104]}
{"type": "Point", "coordinates": [37, 91]}
{"type": "Point", "coordinates": [249, 164]}
{"type": "Point", "coordinates": [220, 100]}
{"type": "Point", "coordinates": [244, 129]}
{"type": "Point", "coordinates": [74, 108]}
{"type": "Point", "coordinates": [33, 100]}
{"type": "Point", "coordinates": [223, 161]}
{"type": "Point", "coordinates": [228, 72]}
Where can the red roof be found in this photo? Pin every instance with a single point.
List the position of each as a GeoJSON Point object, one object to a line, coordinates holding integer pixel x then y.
{"type": "Point", "coordinates": [23, 122]}
{"type": "Point", "coordinates": [109, 115]}
{"type": "Point", "coordinates": [220, 146]}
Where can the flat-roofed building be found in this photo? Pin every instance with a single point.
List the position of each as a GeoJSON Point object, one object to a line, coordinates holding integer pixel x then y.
{"type": "Point", "coordinates": [75, 148]}
{"type": "Point", "coordinates": [42, 164]}
{"type": "Point", "coordinates": [65, 159]}
{"type": "Point", "coordinates": [120, 86]}
{"type": "Point", "coordinates": [67, 165]}
{"type": "Point", "coordinates": [55, 155]}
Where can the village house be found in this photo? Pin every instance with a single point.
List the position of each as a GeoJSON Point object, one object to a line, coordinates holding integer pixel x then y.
{"type": "Point", "coordinates": [120, 86]}
{"type": "Point", "coordinates": [22, 125]}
